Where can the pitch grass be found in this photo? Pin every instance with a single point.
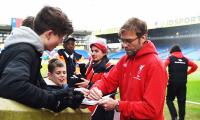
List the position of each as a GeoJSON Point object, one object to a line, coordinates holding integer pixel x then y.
{"type": "Point", "coordinates": [44, 69]}
{"type": "Point", "coordinates": [193, 86]}
{"type": "Point", "coordinates": [193, 94]}
{"type": "Point", "coordinates": [192, 112]}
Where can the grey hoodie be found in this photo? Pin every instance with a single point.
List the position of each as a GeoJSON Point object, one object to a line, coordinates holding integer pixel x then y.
{"type": "Point", "coordinates": [25, 35]}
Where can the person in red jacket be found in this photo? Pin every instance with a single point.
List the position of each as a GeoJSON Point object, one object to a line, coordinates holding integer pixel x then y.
{"type": "Point", "coordinates": [140, 75]}
{"type": "Point", "coordinates": [178, 71]}
{"type": "Point", "coordinates": [98, 66]}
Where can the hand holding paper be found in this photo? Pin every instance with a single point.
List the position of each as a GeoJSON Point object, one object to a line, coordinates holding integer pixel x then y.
{"type": "Point", "coordinates": [95, 94]}
{"type": "Point", "coordinates": [87, 101]}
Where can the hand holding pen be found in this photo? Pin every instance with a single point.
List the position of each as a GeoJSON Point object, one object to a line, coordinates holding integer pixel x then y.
{"type": "Point", "coordinates": [95, 94]}
{"type": "Point", "coordinates": [107, 102]}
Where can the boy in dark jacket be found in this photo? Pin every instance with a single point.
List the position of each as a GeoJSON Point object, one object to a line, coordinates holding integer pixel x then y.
{"type": "Point", "coordinates": [20, 62]}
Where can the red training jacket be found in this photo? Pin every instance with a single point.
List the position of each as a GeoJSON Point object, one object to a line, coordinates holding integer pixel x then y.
{"type": "Point", "coordinates": [142, 82]}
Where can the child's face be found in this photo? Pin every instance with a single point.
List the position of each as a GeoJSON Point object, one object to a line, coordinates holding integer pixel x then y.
{"type": "Point", "coordinates": [59, 76]}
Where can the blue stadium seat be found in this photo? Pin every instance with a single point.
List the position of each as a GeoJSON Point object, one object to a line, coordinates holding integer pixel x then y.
{"type": "Point", "coordinates": [194, 55]}
{"type": "Point", "coordinates": [84, 53]}
{"type": "Point", "coordinates": [117, 55]}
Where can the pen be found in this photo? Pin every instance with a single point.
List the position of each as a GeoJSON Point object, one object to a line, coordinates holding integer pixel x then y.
{"type": "Point", "coordinates": [112, 94]}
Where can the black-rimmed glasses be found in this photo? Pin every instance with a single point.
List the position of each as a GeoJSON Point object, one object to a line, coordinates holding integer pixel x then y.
{"type": "Point", "coordinates": [128, 40]}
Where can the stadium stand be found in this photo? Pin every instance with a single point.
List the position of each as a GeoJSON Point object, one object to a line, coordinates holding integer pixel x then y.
{"type": "Point", "coordinates": [84, 53]}
{"type": "Point", "coordinates": [187, 36]}
{"type": "Point", "coordinates": [194, 55]}
{"type": "Point", "coordinates": [116, 55]}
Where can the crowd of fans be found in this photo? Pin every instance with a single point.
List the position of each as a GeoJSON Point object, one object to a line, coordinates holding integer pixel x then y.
{"type": "Point", "coordinates": [140, 75]}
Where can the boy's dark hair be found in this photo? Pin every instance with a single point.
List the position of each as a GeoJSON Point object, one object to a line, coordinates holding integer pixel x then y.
{"type": "Point", "coordinates": [52, 18]}
{"type": "Point", "coordinates": [175, 48]}
{"type": "Point", "coordinates": [53, 63]}
{"type": "Point", "coordinates": [28, 22]}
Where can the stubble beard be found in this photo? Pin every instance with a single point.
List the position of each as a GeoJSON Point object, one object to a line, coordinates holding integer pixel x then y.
{"type": "Point", "coordinates": [131, 53]}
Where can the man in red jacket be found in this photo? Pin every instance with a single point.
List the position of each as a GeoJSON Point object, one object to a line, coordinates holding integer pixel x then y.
{"type": "Point", "coordinates": [140, 75]}
{"type": "Point", "coordinates": [178, 71]}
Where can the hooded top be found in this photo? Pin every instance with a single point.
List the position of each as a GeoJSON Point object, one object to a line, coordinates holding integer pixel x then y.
{"type": "Point", "coordinates": [20, 77]}
{"type": "Point", "coordinates": [24, 35]}
{"type": "Point", "coordinates": [142, 82]}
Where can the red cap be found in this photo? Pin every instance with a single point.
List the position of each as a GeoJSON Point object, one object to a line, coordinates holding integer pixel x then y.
{"type": "Point", "coordinates": [101, 46]}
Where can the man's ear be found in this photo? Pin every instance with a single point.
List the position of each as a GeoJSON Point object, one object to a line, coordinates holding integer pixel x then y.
{"type": "Point", "coordinates": [144, 36]}
{"type": "Point", "coordinates": [49, 75]}
{"type": "Point", "coordinates": [48, 34]}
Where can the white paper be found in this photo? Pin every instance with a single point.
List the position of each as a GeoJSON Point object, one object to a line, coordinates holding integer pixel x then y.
{"type": "Point", "coordinates": [79, 89]}
{"type": "Point", "coordinates": [86, 101]}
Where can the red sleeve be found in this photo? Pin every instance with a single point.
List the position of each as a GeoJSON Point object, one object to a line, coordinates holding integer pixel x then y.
{"type": "Point", "coordinates": [193, 67]}
{"type": "Point", "coordinates": [152, 102]}
{"type": "Point", "coordinates": [110, 81]}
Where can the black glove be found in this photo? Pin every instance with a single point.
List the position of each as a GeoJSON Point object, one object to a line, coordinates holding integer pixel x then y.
{"type": "Point", "coordinates": [67, 98]}
{"type": "Point", "coordinates": [75, 100]}
{"type": "Point", "coordinates": [60, 99]}
{"type": "Point", "coordinates": [75, 79]}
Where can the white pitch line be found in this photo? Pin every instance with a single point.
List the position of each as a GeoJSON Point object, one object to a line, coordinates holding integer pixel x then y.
{"type": "Point", "coordinates": [197, 103]}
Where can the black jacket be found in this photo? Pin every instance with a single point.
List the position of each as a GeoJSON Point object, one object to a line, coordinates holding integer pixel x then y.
{"type": "Point", "coordinates": [21, 80]}
{"type": "Point", "coordinates": [70, 63]}
{"type": "Point", "coordinates": [178, 68]}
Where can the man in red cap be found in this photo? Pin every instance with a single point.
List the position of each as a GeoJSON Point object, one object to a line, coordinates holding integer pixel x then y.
{"type": "Point", "coordinates": [101, 45]}
{"type": "Point", "coordinates": [99, 64]}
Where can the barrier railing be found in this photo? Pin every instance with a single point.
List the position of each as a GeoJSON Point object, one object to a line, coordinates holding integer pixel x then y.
{"type": "Point", "coordinates": [11, 110]}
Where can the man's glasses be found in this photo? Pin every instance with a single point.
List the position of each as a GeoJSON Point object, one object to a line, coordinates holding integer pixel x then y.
{"type": "Point", "coordinates": [128, 41]}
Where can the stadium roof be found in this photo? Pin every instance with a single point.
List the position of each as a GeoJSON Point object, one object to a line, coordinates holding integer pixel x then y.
{"type": "Point", "coordinates": [5, 28]}
{"type": "Point", "coordinates": [157, 24]}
